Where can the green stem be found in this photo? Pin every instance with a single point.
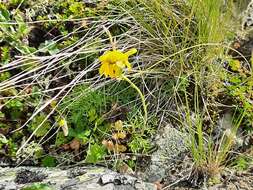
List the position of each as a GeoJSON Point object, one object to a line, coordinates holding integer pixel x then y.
{"type": "Point", "coordinates": [142, 99]}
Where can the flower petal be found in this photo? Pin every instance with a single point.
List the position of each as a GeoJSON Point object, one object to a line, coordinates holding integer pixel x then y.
{"type": "Point", "coordinates": [111, 71]}
{"type": "Point", "coordinates": [131, 52]}
{"type": "Point", "coordinates": [104, 57]}
{"type": "Point", "coordinates": [117, 71]}
{"type": "Point", "coordinates": [103, 70]}
{"type": "Point", "coordinates": [120, 64]}
{"type": "Point", "coordinates": [129, 66]}
{"type": "Point", "coordinates": [116, 55]}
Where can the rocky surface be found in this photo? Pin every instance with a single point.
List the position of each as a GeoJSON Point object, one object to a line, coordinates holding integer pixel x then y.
{"type": "Point", "coordinates": [171, 145]}
{"type": "Point", "coordinates": [88, 178]}
{"type": "Point", "coordinates": [247, 21]}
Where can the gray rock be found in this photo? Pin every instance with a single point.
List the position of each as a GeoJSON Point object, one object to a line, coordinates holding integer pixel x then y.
{"type": "Point", "coordinates": [70, 184]}
{"type": "Point", "coordinates": [145, 186]}
{"type": "Point", "coordinates": [88, 178]}
{"type": "Point", "coordinates": [171, 143]}
{"type": "Point", "coordinates": [10, 186]}
{"type": "Point", "coordinates": [247, 20]}
{"type": "Point", "coordinates": [117, 179]}
{"type": "Point", "coordinates": [124, 187]}
{"type": "Point", "coordinates": [99, 187]}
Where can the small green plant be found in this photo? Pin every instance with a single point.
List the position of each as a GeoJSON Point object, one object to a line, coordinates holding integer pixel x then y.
{"type": "Point", "coordinates": [50, 47]}
{"type": "Point", "coordinates": [85, 111]}
{"type": "Point", "coordinates": [14, 34]}
{"type": "Point", "coordinates": [4, 76]}
{"type": "Point", "coordinates": [49, 161]}
{"type": "Point", "coordinates": [61, 139]}
{"type": "Point", "coordinates": [140, 143]}
{"type": "Point", "coordinates": [38, 186]}
{"type": "Point", "coordinates": [15, 108]}
{"type": "Point", "coordinates": [43, 129]}
{"type": "Point", "coordinates": [85, 108]}
{"type": "Point", "coordinates": [3, 140]}
{"type": "Point", "coordinates": [242, 162]}
{"type": "Point", "coordinates": [4, 55]}
{"type": "Point", "coordinates": [239, 86]}
{"type": "Point", "coordinates": [95, 153]}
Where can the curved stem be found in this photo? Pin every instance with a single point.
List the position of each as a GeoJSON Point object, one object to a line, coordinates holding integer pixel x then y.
{"type": "Point", "coordinates": [113, 43]}
{"type": "Point", "coordinates": [142, 99]}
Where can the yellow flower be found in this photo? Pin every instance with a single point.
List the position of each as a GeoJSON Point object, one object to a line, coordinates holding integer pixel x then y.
{"type": "Point", "coordinates": [63, 124]}
{"type": "Point", "coordinates": [113, 62]}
